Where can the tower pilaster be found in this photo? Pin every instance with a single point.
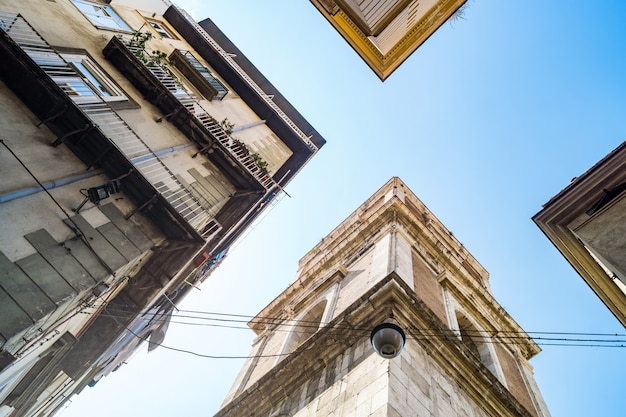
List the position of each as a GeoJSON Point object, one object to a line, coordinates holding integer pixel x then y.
{"type": "Point", "coordinates": [389, 261]}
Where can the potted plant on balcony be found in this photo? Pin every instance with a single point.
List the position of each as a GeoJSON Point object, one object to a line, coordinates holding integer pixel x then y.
{"type": "Point", "coordinates": [137, 44]}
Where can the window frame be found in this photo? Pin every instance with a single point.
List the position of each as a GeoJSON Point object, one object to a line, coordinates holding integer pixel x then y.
{"type": "Point", "coordinates": [199, 78]}
{"type": "Point", "coordinates": [94, 77]}
{"type": "Point", "coordinates": [164, 32]}
{"type": "Point", "coordinates": [483, 347]}
{"type": "Point", "coordinates": [109, 15]}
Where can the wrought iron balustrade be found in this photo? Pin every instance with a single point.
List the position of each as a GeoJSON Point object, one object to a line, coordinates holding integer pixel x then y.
{"type": "Point", "coordinates": [267, 98]}
{"type": "Point", "coordinates": [163, 84]}
{"type": "Point", "coordinates": [189, 206]}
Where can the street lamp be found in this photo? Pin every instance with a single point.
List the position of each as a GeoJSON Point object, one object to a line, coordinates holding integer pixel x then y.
{"type": "Point", "coordinates": [388, 340]}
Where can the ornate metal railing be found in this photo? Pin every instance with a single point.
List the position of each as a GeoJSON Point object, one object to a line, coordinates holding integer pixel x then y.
{"type": "Point", "coordinates": [247, 78]}
{"type": "Point", "coordinates": [169, 84]}
{"type": "Point", "coordinates": [191, 207]}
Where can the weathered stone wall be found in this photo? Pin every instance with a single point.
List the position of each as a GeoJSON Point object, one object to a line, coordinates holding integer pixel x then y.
{"type": "Point", "coordinates": [438, 373]}
{"type": "Point", "coordinates": [355, 384]}
{"type": "Point", "coordinates": [361, 384]}
{"type": "Point", "coordinates": [420, 387]}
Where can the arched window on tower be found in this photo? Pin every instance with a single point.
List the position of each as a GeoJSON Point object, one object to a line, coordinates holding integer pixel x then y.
{"type": "Point", "coordinates": [479, 344]}
{"type": "Point", "coordinates": [306, 326]}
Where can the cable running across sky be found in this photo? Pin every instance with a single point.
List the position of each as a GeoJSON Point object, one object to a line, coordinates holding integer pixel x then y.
{"type": "Point", "coordinates": [541, 338]}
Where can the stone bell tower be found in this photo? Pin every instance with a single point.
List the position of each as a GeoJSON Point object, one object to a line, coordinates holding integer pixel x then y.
{"type": "Point", "coordinates": [390, 261]}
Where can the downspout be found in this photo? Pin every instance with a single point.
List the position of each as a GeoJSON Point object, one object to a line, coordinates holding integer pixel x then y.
{"type": "Point", "coordinates": [12, 195]}
{"type": "Point", "coordinates": [248, 126]}
{"type": "Point", "coordinates": [160, 153]}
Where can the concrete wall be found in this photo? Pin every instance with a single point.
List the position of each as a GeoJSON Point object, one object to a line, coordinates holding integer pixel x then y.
{"type": "Point", "coordinates": [604, 235]}
{"type": "Point", "coordinates": [57, 266]}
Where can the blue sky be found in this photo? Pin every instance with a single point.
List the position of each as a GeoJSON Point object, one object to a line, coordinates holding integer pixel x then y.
{"type": "Point", "coordinates": [491, 117]}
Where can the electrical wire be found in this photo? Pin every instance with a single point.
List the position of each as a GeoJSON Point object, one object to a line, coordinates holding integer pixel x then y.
{"type": "Point", "coordinates": [62, 319]}
{"type": "Point", "coordinates": [146, 339]}
{"type": "Point", "coordinates": [75, 227]}
{"type": "Point", "coordinates": [321, 323]}
{"type": "Point", "coordinates": [316, 324]}
{"type": "Point", "coordinates": [310, 327]}
{"type": "Point", "coordinates": [190, 352]}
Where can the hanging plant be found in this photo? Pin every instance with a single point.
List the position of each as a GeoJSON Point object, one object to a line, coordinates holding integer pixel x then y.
{"type": "Point", "coordinates": [258, 160]}
{"type": "Point", "coordinates": [240, 145]}
{"type": "Point", "coordinates": [227, 126]}
{"type": "Point", "coordinates": [262, 164]}
{"type": "Point", "coordinates": [137, 44]}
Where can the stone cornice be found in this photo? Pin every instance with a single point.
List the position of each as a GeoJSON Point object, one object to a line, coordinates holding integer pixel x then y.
{"type": "Point", "coordinates": [483, 305]}
{"type": "Point", "coordinates": [393, 202]}
{"type": "Point", "coordinates": [369, 223]}
{"type": "Point", "coordinates": [384, 63]}
{"type": "Point", "coordinates": [568, 208]}
{"type": "Point", "coordinates": [390, 297]}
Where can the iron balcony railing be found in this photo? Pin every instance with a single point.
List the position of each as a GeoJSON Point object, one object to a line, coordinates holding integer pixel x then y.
{"type": "Point", "coordinates": [267, 98]}
{"type": "Point", "coordinates": [235, 148]}
{"type": "Point", "coordinates": [191, 208]}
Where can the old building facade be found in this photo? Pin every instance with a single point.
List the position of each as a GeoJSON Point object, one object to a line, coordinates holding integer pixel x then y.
{"type": "Point", "coordinates": [136, 146]}
{"type": "Point", "coordinates": [389, 261]}
{"type": "Point", "coordinates": [586, 222]}
{"type": "Point", "coordinates": [386, 32]}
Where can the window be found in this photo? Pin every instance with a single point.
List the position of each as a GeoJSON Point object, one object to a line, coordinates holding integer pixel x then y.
{"type": "Point", "coordinates": [308, 324]}
{"type": "Point", "coordinates": [90, 83]}
{"type": "Point", "coordinates": [161, 29]}
{"type": "Point", "coordinates": [201, 78]}
{"type": "Point", "coordinates": [479, 344]}
{"type": "Point", "coordinates": [101, 15]}
{"type": "Point", "coordinates": [467, 337]}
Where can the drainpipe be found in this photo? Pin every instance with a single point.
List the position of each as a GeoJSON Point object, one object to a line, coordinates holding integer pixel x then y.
{"type": "Point", "coordinates": [12, 195]}
{"type": "Point", "coordinates": [248, 126]}
{"type": "Point", "coordinates": [160, 153]}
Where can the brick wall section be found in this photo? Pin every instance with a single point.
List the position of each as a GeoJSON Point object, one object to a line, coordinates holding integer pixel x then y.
{"type": "Point", "coordinates": [514, 379]}
{"type": "Point", "coordinates": [427, 288]}
{"type": "Point", "coordinates": [355, 283]}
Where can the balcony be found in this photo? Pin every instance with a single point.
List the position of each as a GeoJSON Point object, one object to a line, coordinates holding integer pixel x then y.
{"type": "Point", "coordinates": [184, 23]}
{"type": "Point", "coordinates": [39, 76]}
{"type": "Point", "coordinates": [245, 80]}
{"type": "Point", "coordinates": [185, 112]}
